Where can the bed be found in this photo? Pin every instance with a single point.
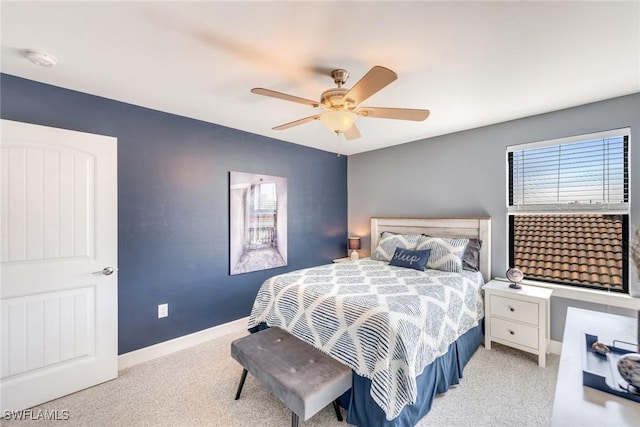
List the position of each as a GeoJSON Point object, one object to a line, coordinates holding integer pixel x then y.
{"type": "Point", "coordinates": [405, 333]}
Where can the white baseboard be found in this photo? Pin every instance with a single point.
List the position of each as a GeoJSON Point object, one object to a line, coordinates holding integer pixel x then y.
{"type": "Point", "coordinates": [162, 349]}
{"type": "Point", "coordinates": [555, 347]}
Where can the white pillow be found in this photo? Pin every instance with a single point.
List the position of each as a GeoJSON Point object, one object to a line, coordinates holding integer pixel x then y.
{"type": "Point", "coordinates": [446, 254]}
{"type": "Point", "coordinates": [390, 241]}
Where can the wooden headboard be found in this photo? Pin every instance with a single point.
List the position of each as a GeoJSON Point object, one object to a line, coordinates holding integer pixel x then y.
{"type": "Point", "coordinates": [479, 228]}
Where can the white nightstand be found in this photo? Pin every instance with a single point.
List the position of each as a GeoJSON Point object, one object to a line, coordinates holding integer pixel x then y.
{"type": "Point", "coordinates": [518, 318]}
{"type": "Point", "coordinates": [345, 259]}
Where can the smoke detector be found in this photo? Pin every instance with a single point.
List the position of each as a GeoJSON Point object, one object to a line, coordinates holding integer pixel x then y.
{"type": "Point", "coordinates": [43, 59]}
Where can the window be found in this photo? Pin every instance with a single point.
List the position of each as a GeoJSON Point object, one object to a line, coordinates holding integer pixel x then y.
{"type": "Point", "coordinates": [568, 207]}
{"type": "Point", "coordinates": [263, 213]}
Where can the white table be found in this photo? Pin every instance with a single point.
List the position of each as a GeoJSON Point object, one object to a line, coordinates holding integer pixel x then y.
{"type": "Point", "coordinates": [575, 404]}
{"type": "Point", "coordinates": [518, 318]}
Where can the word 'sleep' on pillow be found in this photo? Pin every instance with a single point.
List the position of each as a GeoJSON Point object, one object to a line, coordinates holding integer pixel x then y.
{"type": "Point", "coordinates": [410, 259]}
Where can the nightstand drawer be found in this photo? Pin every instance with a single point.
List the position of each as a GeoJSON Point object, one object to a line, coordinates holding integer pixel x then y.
{"type": "Point", "coordinates": [509, 308]}
{"type": "Point", "coordinates": [515, 333]}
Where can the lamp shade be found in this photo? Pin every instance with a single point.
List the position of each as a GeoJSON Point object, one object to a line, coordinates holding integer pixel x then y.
{"type": "Point", "coordinates": [354, 243]}
{"type": "Point", "coordinates": [338, 121]}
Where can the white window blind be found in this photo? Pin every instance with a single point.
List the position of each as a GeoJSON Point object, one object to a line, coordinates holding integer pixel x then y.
{"type": "Point", "coordinates": [579, 174]}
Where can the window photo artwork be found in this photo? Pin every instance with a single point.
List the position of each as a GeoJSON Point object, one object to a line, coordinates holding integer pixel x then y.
{"type": "Point", "coordinates": [257, 223]}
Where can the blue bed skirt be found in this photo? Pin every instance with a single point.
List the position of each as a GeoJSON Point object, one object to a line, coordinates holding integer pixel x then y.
{"type": "Point", "coordinates": [436, 378]}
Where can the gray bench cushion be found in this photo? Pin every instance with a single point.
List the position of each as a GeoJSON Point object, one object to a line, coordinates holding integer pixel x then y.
{"type": "Point", "coordinates": [301, 376]}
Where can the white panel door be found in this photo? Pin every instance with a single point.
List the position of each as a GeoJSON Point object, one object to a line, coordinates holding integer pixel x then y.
{"type": "Point", "coordinates": [58, 263]}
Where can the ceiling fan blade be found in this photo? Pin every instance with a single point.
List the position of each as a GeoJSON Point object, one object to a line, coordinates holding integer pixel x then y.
{"type": "Point", "coordinates": [286, 97]}
{"type": "Point", "coordinates": [352, 132]}
{"type": "Point", "coordinates": [297, 122]}
{"type": "Point", "coordinates": [377, 78]}
{"type": "Point", "coordinates": [393, 113]}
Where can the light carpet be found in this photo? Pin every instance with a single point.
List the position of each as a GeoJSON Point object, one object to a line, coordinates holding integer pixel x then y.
{"type": "Point", "coordinates": [196, 387]}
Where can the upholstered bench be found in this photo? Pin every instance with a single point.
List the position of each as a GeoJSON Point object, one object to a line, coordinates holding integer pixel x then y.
{"type": "Point", "coordinates": [301, 376]}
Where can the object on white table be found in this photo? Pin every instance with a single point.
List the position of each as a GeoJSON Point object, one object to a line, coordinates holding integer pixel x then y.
{"type": "Point", "coordinates": [629, 368]}
{"type": "Point", "coordinates": [354, 245]}
{"type": "Point", "coordinates": [515, 276]}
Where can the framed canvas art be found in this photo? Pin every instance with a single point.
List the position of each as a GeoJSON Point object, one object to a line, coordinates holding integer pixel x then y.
{"type": "Point", "coordinates": [257, 222]}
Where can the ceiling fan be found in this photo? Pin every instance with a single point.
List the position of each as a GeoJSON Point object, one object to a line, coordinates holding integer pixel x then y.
{"type": "Point", "coordinates": [341, 105]}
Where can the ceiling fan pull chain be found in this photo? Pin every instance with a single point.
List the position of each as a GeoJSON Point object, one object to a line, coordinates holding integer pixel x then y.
{"type": "Point", "coordinates": [338, 133]}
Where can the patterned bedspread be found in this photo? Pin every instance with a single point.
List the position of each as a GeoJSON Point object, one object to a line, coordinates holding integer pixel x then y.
{"type": "Point", "coordinates": [386, 323]}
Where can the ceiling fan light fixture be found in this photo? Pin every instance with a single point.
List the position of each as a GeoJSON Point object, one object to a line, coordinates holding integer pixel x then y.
{"type": "Point", "coordinates": [338, 121]}
{"type": "Point", "coordinates": [341, 105]}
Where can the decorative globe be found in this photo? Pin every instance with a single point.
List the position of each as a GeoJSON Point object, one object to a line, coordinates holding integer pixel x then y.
{"type": "Point", "coordinates": [629, 368]}
{"type": "Point", "coordinates": [515, 275]}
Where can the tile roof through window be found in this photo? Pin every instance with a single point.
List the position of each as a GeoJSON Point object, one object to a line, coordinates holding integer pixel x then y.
{"type": "Point", "coordinates": [584, 249]}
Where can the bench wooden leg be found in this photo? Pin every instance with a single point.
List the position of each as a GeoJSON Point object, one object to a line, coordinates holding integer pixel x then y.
{"type": "Point", "coordinates": [294, 419]}
{"type": "Point", "coordinates": [337, 408]}
{"type": "Point", "coordinates": [242, 378]}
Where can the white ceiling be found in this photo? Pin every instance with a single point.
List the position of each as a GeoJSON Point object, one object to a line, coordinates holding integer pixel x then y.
{"type": "Point", "coordinates": [470, 63]}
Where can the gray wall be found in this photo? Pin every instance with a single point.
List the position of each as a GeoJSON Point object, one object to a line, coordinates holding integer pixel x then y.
{"type": "Point", "coordinates": [464, 174]}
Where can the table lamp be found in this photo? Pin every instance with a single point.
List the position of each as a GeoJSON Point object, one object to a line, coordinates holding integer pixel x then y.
{"type": "Point", "coordinates": [354, 245]}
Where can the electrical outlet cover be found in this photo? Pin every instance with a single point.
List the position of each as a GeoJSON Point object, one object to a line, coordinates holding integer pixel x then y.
{"type": "Point", "coordinates": [163, 310]}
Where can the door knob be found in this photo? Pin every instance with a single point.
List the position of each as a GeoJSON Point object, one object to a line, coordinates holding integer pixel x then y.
{"type": "Point", "coordinates": [107, 271]}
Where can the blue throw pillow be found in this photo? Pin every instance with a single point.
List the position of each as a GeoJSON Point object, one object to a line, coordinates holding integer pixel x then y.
{"type": "Point", "coordinates": [410, 259]}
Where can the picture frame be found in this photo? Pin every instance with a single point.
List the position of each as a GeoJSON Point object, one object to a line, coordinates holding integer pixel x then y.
{"type": "Point", "coordinates": [257, 222]}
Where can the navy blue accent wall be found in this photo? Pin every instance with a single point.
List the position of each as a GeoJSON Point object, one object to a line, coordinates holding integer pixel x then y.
{"type": "Point", "coordinates": [173, 202]}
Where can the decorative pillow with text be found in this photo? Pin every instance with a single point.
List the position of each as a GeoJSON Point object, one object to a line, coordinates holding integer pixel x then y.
{"type": "Point", "coordinates": [410, 259]}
